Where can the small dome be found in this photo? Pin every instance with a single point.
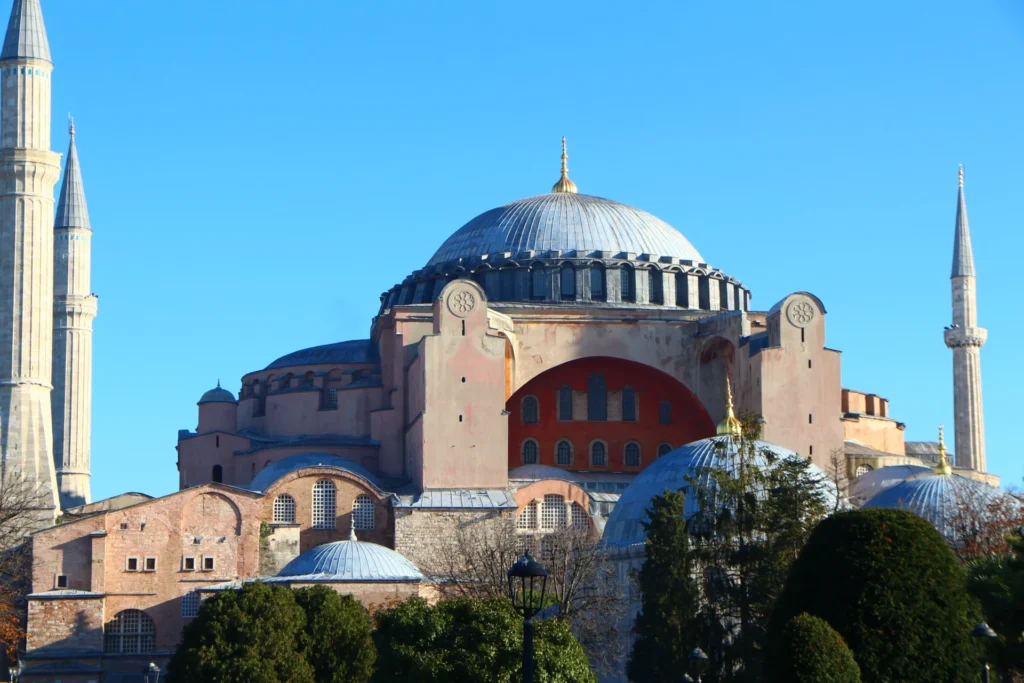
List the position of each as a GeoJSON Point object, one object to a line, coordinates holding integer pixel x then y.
{"type": "Point", "coordinates": [870, 484]}
{"type": "Point", "coordinates": [350, 561]}
{"type": "Point", "coordinates": [217, 395]}
{"type": "Point", "coordinates": [624, 527]}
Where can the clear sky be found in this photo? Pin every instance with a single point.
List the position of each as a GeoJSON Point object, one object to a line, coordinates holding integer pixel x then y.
{"type": "Point", "coordinates": [259, 172]}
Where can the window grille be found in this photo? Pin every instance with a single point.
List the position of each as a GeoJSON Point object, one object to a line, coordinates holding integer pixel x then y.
{"type": "Point", "coordinates": [530, 451]}
{"type": "Point", "coordinates": [664, 449]}
{"type": "Point", "coordinates": [655, 286]}
{"type": "Point", "coordinates": [552, 514]}
{"type": "Point", "coordinates": [564, 453]}
{"type": "Point", "coordinates": [580, 518]}
{"type": "Point", "coordinates": [531, 410]}
{"type": "Point", "coordinates": [665, 413]}
{"type": "Point", "coordinates": [598, 454]}
{"type": "Point", "coordinates": [324, 504]}
{"type": "Point", "coordinates": [597, 398]}
{"type": "Point", "coordinates": [190, 605]}
{"type": "Point", "coordinates": [528, 517]}
{"type": "Point", "coordinates": [330, 399]}
{"type": "Point", "coordinates": [537, 283]}
{"type": "Point", "coordinates": [363, 516]}
{"type": "Point", "coordinates": [284, 508]}
{"type": "Point", "coordinates": [628, 285]}
{"type": "Point", "coordinates": [568, 274]}
{"type": "Point", "coordinates": [628, 405]}
{"type": "Point", "coordinates": [565, 403]}
{"type": "Point", "coordinates": [597, 282]}
{"type": "Point", "coordinates": [632, 454]}
{"type": "Point", "coordinates": [862, 470]}
{"type": "Point", "coordinates": [130, 632]}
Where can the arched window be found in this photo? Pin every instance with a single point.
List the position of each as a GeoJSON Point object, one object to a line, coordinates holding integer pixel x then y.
{"type": "Point", "coordinates": [597, 398]}
{"type": "Point", "coordinates": [530, 451]}
{"type": "Point", "coordinates": [507, 280]}
{"type": "Point", "coordinates": [665, 413]}
{"type": "Point", "coordinates": [531, 410]}
{"type": "Point", "coordinates": [598, 454]}
{"type": "Point", "coordinates": [563, 453]}
{"type": "Point", "coordinates": [284, 508]}
{"type": "Point", "coordinates": [631, 455]}
{"type": "Point", "coordinates": [363, 516]}
{"type": "Point", "coordinates": [538, 282]}
{"type": "Point", "coordinates": [286, 382]}
{"type": "Point", "coordinates": [552, 513]}
{"type": "Point", "coordinates": [325, 504]}
{"type": "Point", "coordinates": [597, 288]}
{"type": "Point", "coordinates": [218, 474]}
{"type": "Point", "coordinates": [580, 518]}
{"type": "Point", "coordinates": [568, 275]}
{"type": "Point", "coordinates": [628, 404]}
{"type": "Point", "coordinates": [664, 449]}
{"type": "Point", "coordinates": [528, 516]}
{"type": "Point", "coordinates": [862, 470]}
{"type": "Point", "coordinates": [682, 290]}
{"type": "Point", "coordinates": [130, 632]}
{"type": "Point", "coordinates": [565, 403]}
{"type": "Point", "coordinates": [479, 278]}
{"type": "Point", "coordinates": [628, 283]}
{"type": "Point", "coordinates": [655, 288]}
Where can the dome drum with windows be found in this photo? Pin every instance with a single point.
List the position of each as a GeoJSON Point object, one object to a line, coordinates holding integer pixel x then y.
{"type": "Point", "coordinates": [567, 248]}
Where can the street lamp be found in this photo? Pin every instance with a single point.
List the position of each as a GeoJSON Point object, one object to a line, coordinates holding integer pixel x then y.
{"type": "Point", "coordinates": [687, 679]}
{"type": "Point", "coordinates": [525, 577]}
{"type": "Point", "coordinates": [152, 673]}
{"type": "Point", "coordinates": [983, 632]}
{"type": "Point", "coordinates": [698, 662]}
{"type": "Point", "coordinates": [15, 671]}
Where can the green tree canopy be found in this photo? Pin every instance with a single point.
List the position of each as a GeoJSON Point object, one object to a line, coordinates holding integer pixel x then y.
{"type": "Point", "coordinates": [998, 583]}
{"type": "Point", "coordinates": [337, 638]}
{"type": "Point", "coordinates": [243, 636]}
{"type": "Point", "coordinates": [466, 641]}
{"type": "Point", "coordinates": [812, 652]}
{"type": "Point", "coordinates": [888, 583]}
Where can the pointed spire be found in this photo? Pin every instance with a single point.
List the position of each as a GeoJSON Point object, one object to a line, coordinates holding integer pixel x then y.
{"type": "Point", "coordinates": [564, 185]}
{"type": "Point", "coordinates": [26, 34]}
{"type": "Point", "coordinates": [963, 255]}
{"type": "Point", "coordinates": [943, 466]}
{"type": "Point", "coordinates": [352, 531]}
{"type": "Point", "coordinates": [71, 209]}
{"type": "Point", "coordinates": [729, 425]}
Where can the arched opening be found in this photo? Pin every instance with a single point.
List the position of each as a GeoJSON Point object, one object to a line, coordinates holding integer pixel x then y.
{"type": "Point", "coordinates": [325, 504]}
{"type": "Point", "coordinates": [655, 286]}
{"type": "Point", "coordinates": [217, 475]}
{"type": "Point", "coordinates": [531, 410]}
{"type": "Point", "coordinates": [568, 282]}
{"type": "Point", "coordinates": [284, 508]}
{"type": "Point", "coordinates": [598, 291]}
{"type": "Point", "coordinates": [363, 513]}
{"type": "Point", "coordinates": [628, 283]}
{"type": "Point", "coordinates": [538, 282]}
{"type": "Point", "coordinates": [597, 398]}
{"type": "Point", "coordinates": [130, 632]}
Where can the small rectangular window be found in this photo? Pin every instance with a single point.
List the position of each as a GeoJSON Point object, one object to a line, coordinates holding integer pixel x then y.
{"type": "Point", "coordinates": [150, 564]}
{"type": "Point", "coordinates": [810, 450]}
{"type": "Point", "coordinates": [188, 564]}
{"type": "Point", "coordinates": [132, 565]}
{"type": "Point", "coordinates": [207, 564]}
{"type": "Point", "coordinates": [62, 581]}
{"type": "Point", "coordinates": [810, 418]}
{"type": "Point", "coordinates": [124, 525]}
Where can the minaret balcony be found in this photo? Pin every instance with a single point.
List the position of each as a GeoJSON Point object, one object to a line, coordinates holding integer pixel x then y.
{"type": "Point", "coordinates": [965, 337]}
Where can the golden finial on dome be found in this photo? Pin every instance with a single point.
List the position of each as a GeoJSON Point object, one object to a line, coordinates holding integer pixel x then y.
{"type": "Point", "coordinates": [961, 175]}
{"type": "Point", "coordinates": [943, 466]}
{"type": "Point", "coordinates": [729, 426]}
{"type": "Point", "coordinates": [564, 185]}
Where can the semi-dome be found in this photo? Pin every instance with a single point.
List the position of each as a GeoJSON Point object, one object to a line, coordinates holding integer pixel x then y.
{"type": "Point", "coordinates": [275, 470]}
{"type": "Point", "coordinates": [355, 351]}
{"type": "Point", "coordinates": [568, 222]}
{"type": "Point", "coordinates": [217, 395]}
{"type": "Point", "coordinates": [625, 525]}
{"type": "Point", "coordinates": [350, 561]}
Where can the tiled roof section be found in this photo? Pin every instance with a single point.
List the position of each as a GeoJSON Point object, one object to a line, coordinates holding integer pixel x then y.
{"type": "Point", "coordinates": [963, 255]}
{"type": "Point", "coordinates": [484, 499]}
{"type": "Point", "coordinates": [26, 34]}
{"type": "Point", "coordinates": [71, 209]}
{"type": "Point", "coordinates": [870, 484]}
{"type": "Point", "coordinates": [925, 450]}
{"type": "Point", "coordinates": [350, 561]}
{"type": "Point", "coordinates": [569, 222]}
{"type": "Point", "coordinates": [356, 351]}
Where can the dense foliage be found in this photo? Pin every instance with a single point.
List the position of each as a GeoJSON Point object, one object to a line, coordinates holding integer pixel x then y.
{"type": "Point", "coordinates": [890, 585]}
{"type": "Point", "coordinates": [337, 639]}
{"type": "Point", "coordinates": [812, 652]}
{"type": "Point", "coordinates": [665, 628]}
{"type": "Point", "coordinates": [997, 582]}
{"type": "Point", "coordinates": [466, 641]}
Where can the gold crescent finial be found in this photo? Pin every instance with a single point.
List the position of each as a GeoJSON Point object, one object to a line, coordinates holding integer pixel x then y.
{"type": "Point", "coordinates": [729, 426]}
{"type": "Point", "coordinates": [943, 466]}
{"type": "Point", "coordinates": [961, 175]}
{"type": "Point", "coordinates": [564, 185]}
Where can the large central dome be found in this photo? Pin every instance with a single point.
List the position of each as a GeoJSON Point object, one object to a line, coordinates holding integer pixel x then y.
{"type": "Point", "coordinates": [568, 222]}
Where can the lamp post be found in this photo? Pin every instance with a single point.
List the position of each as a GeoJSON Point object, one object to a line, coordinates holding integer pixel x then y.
{"type": "Point", "coordinates": [15, 671]}
{"type": "Point", "coordinates": [525, 577]}
{"type": "Point", "coordinates": [151, 673]}
{"type": "Point", "coordinates": [698, 662]}
{"type": "Point", "coordinates": [984, 633]}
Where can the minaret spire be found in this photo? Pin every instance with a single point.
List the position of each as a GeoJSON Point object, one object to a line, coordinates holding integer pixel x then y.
{"type": "Point", "coordinates": [965, 339]}
{"type": "Point", "coordinates": [26, 34]}
{"type": "Point", "coordinates": [564, 184]}
{"type": "Point", "coordinates": [74, 308]}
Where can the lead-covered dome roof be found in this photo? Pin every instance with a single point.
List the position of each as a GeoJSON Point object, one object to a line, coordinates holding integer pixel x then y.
{"type": "Point", "coordinates": [217, 395]}
{"type": "Point", "coordinates": [350, 561]}
{"type": "Point", "coordinates": [568, 222]}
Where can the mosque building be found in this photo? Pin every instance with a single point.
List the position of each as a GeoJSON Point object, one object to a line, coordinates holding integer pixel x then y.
{"type": "Point", "coordinates": [554, 355]}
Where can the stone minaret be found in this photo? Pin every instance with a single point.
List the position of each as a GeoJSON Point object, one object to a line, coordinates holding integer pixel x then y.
{"type": "Point", "coordinates": [28, 171]}
{"type": "Point", "coordinates": [74, 308]}
{"type": "Point", "coordinates": [965, 338]}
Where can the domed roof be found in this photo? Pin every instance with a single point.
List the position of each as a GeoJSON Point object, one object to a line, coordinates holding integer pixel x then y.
{"type": "Point", "coordinates": [670, 471]}
{"type": "Point", "coordinates": [870, 484]}
{"type": "Point", "coordinates": [355, 351]}
{"type": "Point", "coordinates": [217, 395]}
{"type": "Point", "coordinates": [569, 222]}
{"type": "Point", "coordinates": [350, 561]}
{"type": "Point", "coordinates": [274, 471]}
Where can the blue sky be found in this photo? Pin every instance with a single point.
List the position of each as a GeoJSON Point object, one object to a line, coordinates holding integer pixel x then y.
{"type": "Point", "coordinates": [258, 172]}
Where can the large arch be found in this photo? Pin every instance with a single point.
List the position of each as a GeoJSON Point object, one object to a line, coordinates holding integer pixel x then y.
{"type": "Point", "coordinates": [688, 419]}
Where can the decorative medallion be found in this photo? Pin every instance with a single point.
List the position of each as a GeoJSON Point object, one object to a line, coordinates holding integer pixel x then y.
{"type": "Point", "coordinates": [461, 303]}
{"type": "Point", "coordinates": [800, 312]}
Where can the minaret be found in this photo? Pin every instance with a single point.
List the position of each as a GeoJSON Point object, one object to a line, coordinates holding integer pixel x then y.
{"type": "Point", "coordinates": [28, 171]}
{"type": "Point", "coordinates": [965, 338]}
{"type": "Point", "coordinates": [74, 308]}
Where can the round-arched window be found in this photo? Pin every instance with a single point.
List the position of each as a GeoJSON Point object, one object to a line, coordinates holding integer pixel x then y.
{"type": "Point", "coordinates": [631, 455]}
{"type": "Point", "coordinates": [325, 504]}
{"type": "Point", "coordinates": [130, 632]}
{"type": "Point", "coordinates": [664, 449]}
{"type": "Point", "coordinates": [598, 454]}
{"type": "Point", "coordinates": [530, 451]}
{"type": "Point", "coordinates": [363, 516]}
{"type": "Point", "coordinates": [531, 410]}
{"type": "Point", "coordinates": [284, 508]}
{"type": "Point", "coordinates": [862, 470]}
{"type": "Point", "coordinates": [563, 453]}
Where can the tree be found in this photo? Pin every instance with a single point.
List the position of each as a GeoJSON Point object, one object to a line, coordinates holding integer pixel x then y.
{"type": "Point", "coordinates": [997, 581]}
{"type": "Point", "coordinates": [465, 641]}
{"type": "Point", "coordinates": [249, 635]}
{"type": "Point", "coordinates": [337, 638]}
{"type": "Point", "coordinates": [665, 627]}
{"type": "Point", "coordinates": [981, 522]}
{"type": "Point", "coordinates": [889, 584]}
{"type": "Point", "coordinates": [812, 652]}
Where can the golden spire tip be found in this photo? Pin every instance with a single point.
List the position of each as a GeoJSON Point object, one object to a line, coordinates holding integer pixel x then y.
{"type": "Point", "coordinates": [729, 425]}
{"type": "Point", "coordinates": [943, 466]}
{"type": "Point", "coordinates": [564, 184]}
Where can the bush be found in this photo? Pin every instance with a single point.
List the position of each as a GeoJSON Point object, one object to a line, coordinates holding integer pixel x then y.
{"type": "Point", "coordinates": [812, 652]}
{"type": "Point", "coordinates": [337, 640]}
{"type": "Point", "coordinates": [892, 588]}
